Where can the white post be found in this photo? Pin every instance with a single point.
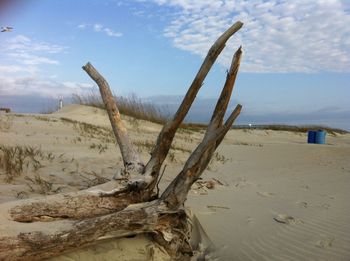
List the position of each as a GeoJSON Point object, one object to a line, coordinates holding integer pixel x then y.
{"type": "Point", "coordinates": [61, 103]}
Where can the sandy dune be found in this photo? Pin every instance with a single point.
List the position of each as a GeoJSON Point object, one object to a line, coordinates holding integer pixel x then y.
{"type": "Point", "coordinates": [270, 196]}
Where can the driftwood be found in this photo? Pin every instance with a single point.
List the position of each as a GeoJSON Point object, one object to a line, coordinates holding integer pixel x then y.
{"type": "Point", "coordinates": [38, 228]}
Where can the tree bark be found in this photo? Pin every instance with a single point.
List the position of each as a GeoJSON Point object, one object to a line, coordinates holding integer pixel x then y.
{"type": "Point", "coordinates": [95, 201]}
{"type": "Point", "coordinates": [167, 134]}
{"type": "Point", "coordinates": [27, 241]}
{"type": "Point", "coordinates": [131, 158]}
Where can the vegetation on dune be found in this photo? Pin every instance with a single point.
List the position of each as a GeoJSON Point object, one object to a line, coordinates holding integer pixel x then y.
{"type": "Point", "coordinates": [14, 160]}
{"type": "Point", "coordinates": [292, 128]}
{"type": "Point", "coordinates": [5, 123]}
{"type": "Point", "coordinates": [130, 106]}
{"type": "Point", "coordinates": [88, 130]}
{"type": "Point", "coordinates": [135, 107]}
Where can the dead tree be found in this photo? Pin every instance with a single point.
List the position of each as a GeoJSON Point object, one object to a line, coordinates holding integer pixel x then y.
{"type": "Point", "coordinates": [38, 228]}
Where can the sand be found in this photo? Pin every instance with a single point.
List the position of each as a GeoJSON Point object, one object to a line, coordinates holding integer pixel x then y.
{"type": "Point", "coordinates": [267, 195]}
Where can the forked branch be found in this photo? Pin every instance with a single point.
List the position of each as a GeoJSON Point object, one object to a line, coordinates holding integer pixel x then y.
{"type": "Point", "coordinates": [225, 96]}
{"type": "Point", "coordinates": [167, 134]}
{"type": "Point", "coordinates": [176, 193]}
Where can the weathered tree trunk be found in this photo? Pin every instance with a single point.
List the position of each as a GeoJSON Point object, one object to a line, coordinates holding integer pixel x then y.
{"type": "Point", "coordinates": [30, 241]}
{"type": "Point", "coordinates": [38, 228]}
{"type": "Point", "coordinates": [131, 158]}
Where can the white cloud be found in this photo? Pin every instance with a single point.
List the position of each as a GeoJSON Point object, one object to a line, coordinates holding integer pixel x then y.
{"type": "Point", "coordinates": [77, 85]}
{"type": "Point", "coordinates": [278, 35]}
{"type": "Point", "coordinates": [82, 26]}
{"type": "Point", "coordinates": [98, 28]}
{"type": "Point", "coordinates": [8, 69]}
{"type": "Point", "coordinates": [21, 60]}
{"type": "Point", "coordinates": [23, 43]}
{"type": "Point", "coordinates": [30, 59]}
{"type": "Point", "coordinates": [33, 85]}
{"type": "Point", "coordinates": [23, 55]}
{"type": "Point", "coordinates": [110, 32]}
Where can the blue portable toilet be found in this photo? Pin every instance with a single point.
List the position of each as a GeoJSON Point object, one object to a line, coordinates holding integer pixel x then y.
{"type": "Point", "coordinates": [311, 136]}
{"type": "Point", "coordinates": [320, 137]}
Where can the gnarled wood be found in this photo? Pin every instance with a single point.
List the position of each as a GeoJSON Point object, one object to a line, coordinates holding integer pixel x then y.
{"type": "Point", "coordinates": [27, 242]}
{"type": "Point", "coordinates": [167, 134]}
{"type": "Point", "coordinates": [94, 201]}
{"type": "Point", "coordinates": [176, 193]}
{"type": "Point", "coordinates": [225, 96]}
{"type": "Point", "coordinates": [33, 229]}
{"type": "Point", "coordinates": [131, 158]}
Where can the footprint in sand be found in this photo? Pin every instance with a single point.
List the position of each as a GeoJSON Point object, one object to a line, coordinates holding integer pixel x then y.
{"type": "Point", "coordinates": [249, 220]}
{"type": "Point", "coordinates": [265, 194]}
{"type": "Point", "coordinates": [241, 182]}
{"type": "Point", "coordinates": [286, 219]}
{"type": "Point", "coordinates": [325, 206]}
{"type": "Point", "coordinates": [305, 187]}
{"type": "Point", "coordinates": [327, 196]}
{"type": "Point", "coordinates": [325, 242]}
{"type": "Point", "coordinates": [302, 204]}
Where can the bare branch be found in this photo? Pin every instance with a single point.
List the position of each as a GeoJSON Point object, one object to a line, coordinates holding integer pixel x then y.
{"type": "Point", "coordinates": [131, 158]}
{"type": "Point", "coordinates": [224, 99]}
{"type": "Point", "coordinates": [167, 134]}
{"type": "Point", "coordinates": [176, 193]}
{"type": "Point", "coordinates": [228, 124]}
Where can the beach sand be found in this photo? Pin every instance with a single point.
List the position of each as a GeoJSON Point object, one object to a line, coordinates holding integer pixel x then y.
{"type": "Point", "coordinates": [266, 195]}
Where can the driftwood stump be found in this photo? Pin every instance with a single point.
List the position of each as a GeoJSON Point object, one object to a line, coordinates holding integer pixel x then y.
{"type": "Point", "coordinates": [38, 228]}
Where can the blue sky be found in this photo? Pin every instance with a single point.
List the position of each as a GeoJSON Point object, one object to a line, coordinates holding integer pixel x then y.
{"type": "Point", "coordinates": [295, 67]}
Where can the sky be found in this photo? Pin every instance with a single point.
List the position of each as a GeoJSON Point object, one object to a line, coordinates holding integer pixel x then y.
{"type": "Point", "coordinates": [295, 66]}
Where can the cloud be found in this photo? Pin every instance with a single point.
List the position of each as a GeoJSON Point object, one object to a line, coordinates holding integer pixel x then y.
{"type": "Point", "coordinates": [30, 59]}
{"type": "Point", "coordinates": [109, 32]}
{"type": "Point", "coordinates": [25, 55]}
{"type": "Point", "coordinates": [82, 26]}
{"type": "Point", "coordinates": [25, 44]}
{"type": "Point", "coordinates": [8, 69]}
{"type": "Point", "coordinates": [21, 60]}
{"type": "Point", "coordinates": [99, 28]}
{"type": "Point", "coordinates": [278, 36]}
{"type": "Point", "coordinates": [32, 85]}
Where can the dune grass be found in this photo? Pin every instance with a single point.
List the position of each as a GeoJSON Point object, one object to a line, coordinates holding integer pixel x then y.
{"type": "Point", "coordinates": [88, 130]}
{"type": "Point", "coordinates": [130, 106]}
{"type": "Point", "coordinates": [136, 108]}
{"type": "Point", "coordinates": [293, 128]}
{"type": "Point", "coordinates": [14, 160]}
{"type": "Point", "coordinates": [5, 123]}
